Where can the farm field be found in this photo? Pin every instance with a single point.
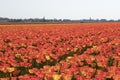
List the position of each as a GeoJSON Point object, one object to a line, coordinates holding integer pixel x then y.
{"type": "Point", "coordinates": [74, 51]}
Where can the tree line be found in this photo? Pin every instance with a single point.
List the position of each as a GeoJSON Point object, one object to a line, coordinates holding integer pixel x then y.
{"type": "Point", "coordinates": [42, 20]}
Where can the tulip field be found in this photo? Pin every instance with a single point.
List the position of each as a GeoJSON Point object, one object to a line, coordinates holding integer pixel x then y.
{"type": "Point", "coordinates": [61, 51]}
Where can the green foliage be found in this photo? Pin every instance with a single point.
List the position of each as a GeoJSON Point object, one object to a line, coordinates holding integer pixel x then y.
{"type": "Point", "coordinates": [18, 59]}
{"type": "Point", "coordinates": [110, 61]}
{"type": "Point", "coordinates": [63, 57]}
{"type": "Point", "coordinates": [94, 74]}
{"type": "Point", "coordinates": [23, 70]}
{"type": "Point", "coordinates": [85, 48]}
{"type": "Point", "coordinates": [4, 75]}
{"type": "Point", "coordinates": [73, 77]}
{"type": "Point", "coordinates": [95, 53]}
{"type": "Point", "coordinates": [40, 65]}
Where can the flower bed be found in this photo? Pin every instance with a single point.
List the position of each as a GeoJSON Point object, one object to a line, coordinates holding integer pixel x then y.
{"type": "Point", "coordinates": [85, 51]}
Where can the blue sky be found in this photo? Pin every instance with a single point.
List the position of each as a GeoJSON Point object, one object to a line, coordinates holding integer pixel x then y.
{"type": "Point", "coordinates": [60, 9]}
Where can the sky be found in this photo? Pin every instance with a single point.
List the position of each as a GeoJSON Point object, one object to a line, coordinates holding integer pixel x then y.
{"type": "Point", "coordinates": [60, 9]}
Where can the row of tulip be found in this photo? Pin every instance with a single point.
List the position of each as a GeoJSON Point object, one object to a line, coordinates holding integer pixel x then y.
{"type": "Point", "coordinates": [86, 51]}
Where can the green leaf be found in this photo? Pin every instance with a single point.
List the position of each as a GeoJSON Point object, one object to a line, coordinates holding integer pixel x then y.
{"type": "Point", "coordinates": [4, 75]}
{"type": "Point", "coordinates": [23, 70]}
{"type": "Point", "coordinates": [18, 59]}
{"type": "Point", "coordinates": [110, 61]}
{"type": "Point", "coordinates": [95, 53]}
